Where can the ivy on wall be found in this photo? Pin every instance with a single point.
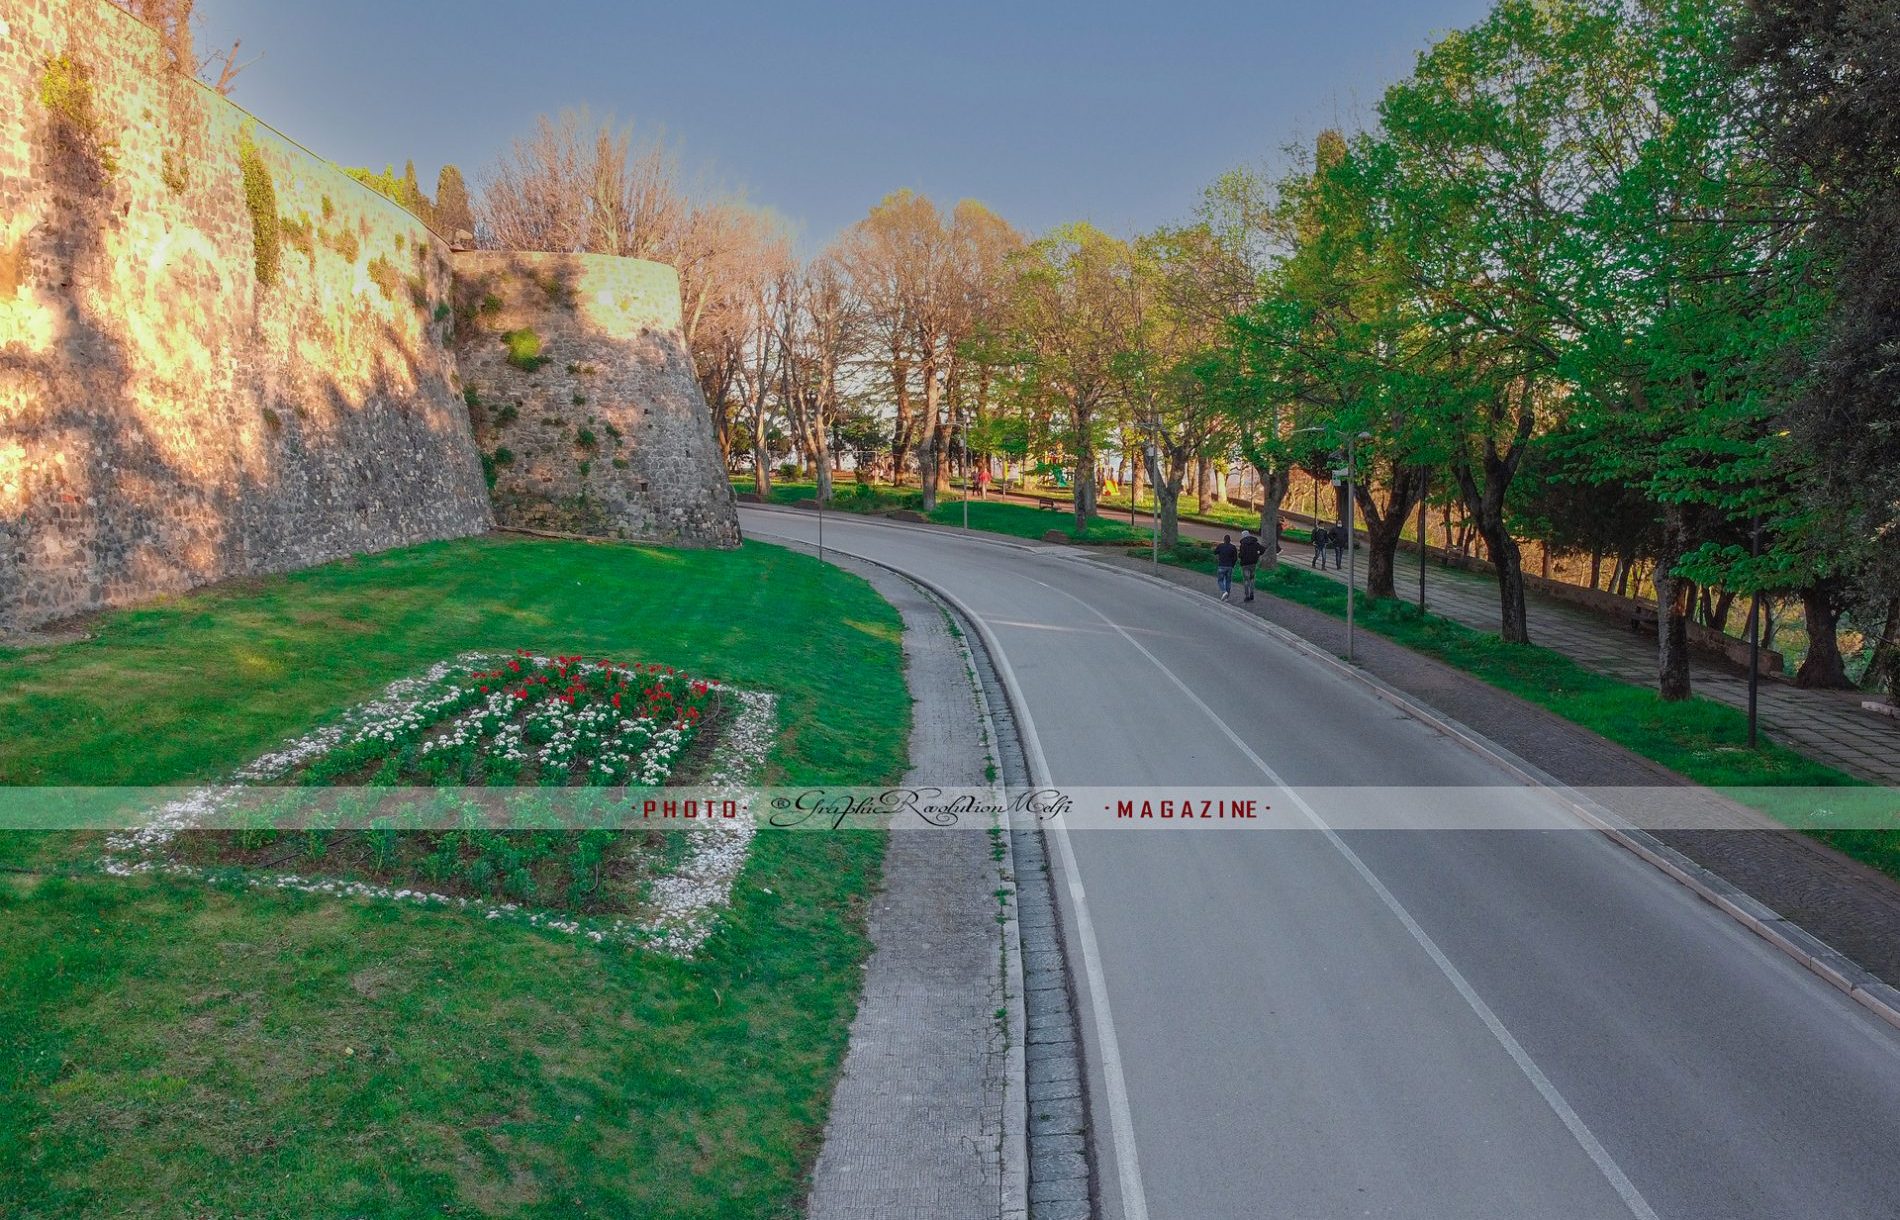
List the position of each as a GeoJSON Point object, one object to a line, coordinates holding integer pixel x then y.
{"type": "Point", "coordinates": [66, 91]}
{"type": "Point", "coordinates": [260, 197]}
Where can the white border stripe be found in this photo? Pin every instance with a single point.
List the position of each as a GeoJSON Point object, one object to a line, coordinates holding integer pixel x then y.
{"type": "Point", "coordinates": [1586, 1139]}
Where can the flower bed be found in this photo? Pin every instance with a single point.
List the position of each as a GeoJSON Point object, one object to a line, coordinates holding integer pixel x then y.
{"type": "Point", "coordinates": [490, 739]}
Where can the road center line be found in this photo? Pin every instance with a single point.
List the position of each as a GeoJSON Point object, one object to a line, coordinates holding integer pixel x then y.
{"type": "Point", "coordinates": [1580, 1130]}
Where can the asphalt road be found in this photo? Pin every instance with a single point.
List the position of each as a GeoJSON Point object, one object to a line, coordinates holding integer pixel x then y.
{"type": "Point", "coordinates": [1413, 1024]}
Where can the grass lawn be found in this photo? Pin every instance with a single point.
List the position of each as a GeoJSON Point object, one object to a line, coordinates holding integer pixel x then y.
{"type": "Point", "coordinates": [1699, 739]}
{"type": "Point", "coordinates": [173, 1049]}
{"type": "Point", "coordinates": [1024, 521]}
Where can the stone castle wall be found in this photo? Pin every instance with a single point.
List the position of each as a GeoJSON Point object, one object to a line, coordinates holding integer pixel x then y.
{"type": "Point", "coordinates": [584, 399]}
{"type": "Point", "coordinates": [167, 416]}
{"type": "Point", "coordinates": [178, 406]}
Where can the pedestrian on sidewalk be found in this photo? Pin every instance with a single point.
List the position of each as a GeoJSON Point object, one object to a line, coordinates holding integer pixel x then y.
{"type": "Point", "coordinates": [1339, 546]}
{"type": "Point", "coordinates": [1224, 558]}
{"type": "Point", "coordinates": [1322, 538]}
{"type": "Point", "coordinates": [1250, 553]}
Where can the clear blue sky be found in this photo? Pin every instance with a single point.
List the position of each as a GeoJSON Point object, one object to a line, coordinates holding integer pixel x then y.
{"type": "Point", "coordinates": [1110, 112]}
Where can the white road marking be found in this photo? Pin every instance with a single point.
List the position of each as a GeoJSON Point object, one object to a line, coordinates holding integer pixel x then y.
{"type": "Point", "coordinates": [1592, 1147]}
{"type": "Point", "coordinates": [1121, 1118]}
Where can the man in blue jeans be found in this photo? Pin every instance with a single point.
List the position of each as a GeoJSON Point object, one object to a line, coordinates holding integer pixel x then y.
{"type": "Point", "coordinates": [1225, 557]}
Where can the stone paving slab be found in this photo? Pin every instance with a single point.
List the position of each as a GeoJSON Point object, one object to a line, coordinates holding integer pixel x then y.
{"type": "Point", "coordinates": [916, 1128]}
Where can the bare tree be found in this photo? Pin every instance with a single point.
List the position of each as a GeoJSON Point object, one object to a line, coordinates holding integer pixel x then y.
{"type": "Point", "coordinates": [174, 20]}
{"type": "Point", "coordinates": [821, 329]}
{"type": "Point", "coordinates": [580, 187]}
{"type": "Point", "coordinates": [924, 285]}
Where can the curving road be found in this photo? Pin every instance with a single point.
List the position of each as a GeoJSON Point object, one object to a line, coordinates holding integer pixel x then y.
{"type": "Point", "coordinates": [1413, 1024]}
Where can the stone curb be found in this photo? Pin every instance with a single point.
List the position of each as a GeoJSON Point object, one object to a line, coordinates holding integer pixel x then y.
{"type": "Point", "coordinates": [1784, 934]}
{"type": "Point", "coordinates": [1013, 1201]}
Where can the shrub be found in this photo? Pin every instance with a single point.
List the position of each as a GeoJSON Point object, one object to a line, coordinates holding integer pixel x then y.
{"type": "Point", "coordinates": [491, 304]}
{"type": "Point", "coordinates": [442, 311]}
{"type": "Point", "coordinates": [585, 467]}
{"type": "Point", "coordinates": [620, 463]}
{"type": "Point", "coordinates": [383, 274]}
{"type": "Point", "coordinates": [612, 431]}
{"type": "Point", "coordinates": [260, 196]}
{"type": "Point", "coordinates": [504, 456]}
{"type": "Point", "coordinates": [524, 350]}
{"type": "Point", "coordinates": [580, 400]}
{"type": "Point", "coordinates": [507, 415]}
{"type": "Point", "coordinates": [66, 90]}
{"type": "Point", "coordinates": [174, 169]}
{"type": "Point", "coordinates": [297, 235]}
{"type": "Point", "coordinates": [586, 439]}
{"type": "Point", "coordinates": [581, 370]}
{"type": "Point", "coordinates": [471, 397]}
{"type": "Point", "coordinates": [344, 242]}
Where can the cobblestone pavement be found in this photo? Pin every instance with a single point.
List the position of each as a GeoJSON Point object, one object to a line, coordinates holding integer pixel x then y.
{"type": "Point", "coordinates": [1828, 726]}
{"type": "Point", "coordinates": [916, 1127]}
{"type": "Point", "coordinates": [1852, 907]}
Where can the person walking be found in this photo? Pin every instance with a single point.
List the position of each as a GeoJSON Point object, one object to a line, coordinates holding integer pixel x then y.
{"type": "Point", "coordinates": [1339, 546]}
{"type": "Point", "coordinates": [1250, 553]}
{"type": "Point", "coordinates": [1322, 538]}
{"type": "Point", "coordinates": [1225, 555]}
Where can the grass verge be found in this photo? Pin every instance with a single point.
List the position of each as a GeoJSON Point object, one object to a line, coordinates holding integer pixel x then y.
{"type": "Point", "coordinates": [1024, 521]}
{"type": "Point", "coordinates": [174, 1049]}
{"type": "Point", "coordinates": [1699, 739]}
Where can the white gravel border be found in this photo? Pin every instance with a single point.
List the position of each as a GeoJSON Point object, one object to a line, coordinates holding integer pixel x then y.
{"type": "Point", "coordinates": [684, 903]}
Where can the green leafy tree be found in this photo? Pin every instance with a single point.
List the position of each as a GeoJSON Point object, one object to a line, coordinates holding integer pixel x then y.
{"type": "Point", "coordinates": [452, 211]}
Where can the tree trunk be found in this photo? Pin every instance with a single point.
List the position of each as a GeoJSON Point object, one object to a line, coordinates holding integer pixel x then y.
{"type": "Point", "coordinates": [1220, 485]}
{"type": "Point", "coordinates": [928, 462]}
{"type": "Point", "coordinates": [1486, 508]}
{"type": "Point", "coordinates": [1596, 565]}
{"type": "Point", "coordinates": [1384, 528]}
{"type": "Point", "coordinates": [1883, 668]}
{"type": "Point", "coordinates": [900, 432]}
{"type": "Point", "coordinates": [1084, 469]}
{"type": "Point", "coordinates": [1719, 612]}
{"type": "Point", "coordinates": [1674, 601]}
{"type": "Point", "coordinates": [1822, 668]}
{"type": "Point", "coordinates": [1274, 484]}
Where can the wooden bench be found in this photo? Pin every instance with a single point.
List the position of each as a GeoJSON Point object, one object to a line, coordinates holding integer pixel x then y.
{"type": "Point", "coordinates": [1642, 621]}
{"type": "Point", "coordinates": [1052, 503]}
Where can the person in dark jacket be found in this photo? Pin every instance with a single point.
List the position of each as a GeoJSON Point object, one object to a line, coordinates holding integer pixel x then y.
{"type": "Point", "coordinates": [1322, 538]}
{"type": "Point", "coordinates": [1339, 546]}
{"type": "Point", "coordinates": [1224, 558]}
{"type": "Point", "coordinates": [1250, 553]}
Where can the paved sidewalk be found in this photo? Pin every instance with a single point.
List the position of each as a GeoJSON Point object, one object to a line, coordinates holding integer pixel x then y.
{"type": "Point", "coordinates": [1828, 726]}
{"type": "Point", "coordinates": [916, 1125]}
